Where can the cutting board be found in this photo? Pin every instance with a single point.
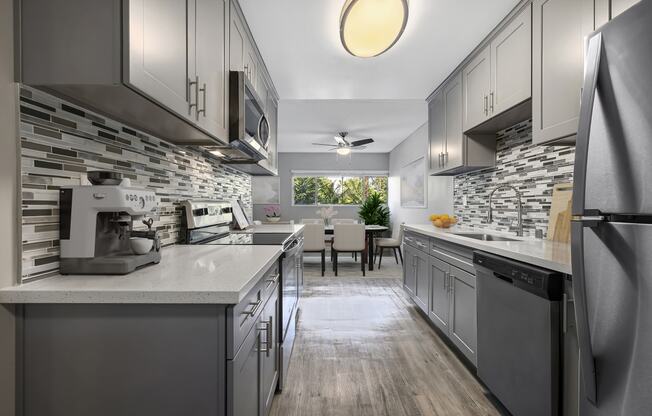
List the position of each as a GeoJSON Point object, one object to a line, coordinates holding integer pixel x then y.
{"type": "Point", "coordinates": [560, 213]}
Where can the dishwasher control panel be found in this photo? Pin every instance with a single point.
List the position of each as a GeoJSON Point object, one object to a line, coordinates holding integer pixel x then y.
{"type": "Point", "coordinates": [539, 281]}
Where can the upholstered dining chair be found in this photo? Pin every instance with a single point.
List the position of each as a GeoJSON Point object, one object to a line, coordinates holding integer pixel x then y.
{"type": "Point", "coordinates": [313, 242]}
{"type": "Point", "coordinates": [394, 243]}
{"type": "Point", "coordinates": [349, 238]}
{"type": "Point", "coordinates": [342, 221]}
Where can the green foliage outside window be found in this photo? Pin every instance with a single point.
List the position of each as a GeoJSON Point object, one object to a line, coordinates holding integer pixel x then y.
{"type": "Point", "coordinates": [337, 190]}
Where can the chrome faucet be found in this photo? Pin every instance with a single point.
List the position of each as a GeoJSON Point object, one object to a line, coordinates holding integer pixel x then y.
{"type": "Point", "coordinates": [519, 232]}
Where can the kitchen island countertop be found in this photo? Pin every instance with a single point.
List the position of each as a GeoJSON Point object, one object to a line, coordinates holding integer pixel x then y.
{"type": "Point", "coordinates": [186, 275]}
{"type": "Point", "coordinates": [543, 253]}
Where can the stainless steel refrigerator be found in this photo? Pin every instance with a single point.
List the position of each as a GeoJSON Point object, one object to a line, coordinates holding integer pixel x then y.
{"type": "Point", "coordinates": [612, 223]}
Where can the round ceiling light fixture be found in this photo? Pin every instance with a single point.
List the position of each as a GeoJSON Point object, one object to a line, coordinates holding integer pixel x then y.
{"type": "Point", "coordinates": [370, 27]}
{"type": "Point", "coordinates": [343, 151]}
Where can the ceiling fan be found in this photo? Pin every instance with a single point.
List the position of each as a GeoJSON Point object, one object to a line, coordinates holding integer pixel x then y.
{"type": "Point", "coordinates": [343, 146]}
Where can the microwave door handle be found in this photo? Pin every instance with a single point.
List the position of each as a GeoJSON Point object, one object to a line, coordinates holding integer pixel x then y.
{"type": "Point", "coordinates": [591, 71]}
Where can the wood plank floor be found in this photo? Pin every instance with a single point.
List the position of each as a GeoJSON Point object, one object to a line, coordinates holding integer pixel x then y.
{"type": "Point", "coordinates": [363, 349]}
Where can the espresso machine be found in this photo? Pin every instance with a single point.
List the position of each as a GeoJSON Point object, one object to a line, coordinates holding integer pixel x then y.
{"type": "Point", "coordinates": [97, 226]}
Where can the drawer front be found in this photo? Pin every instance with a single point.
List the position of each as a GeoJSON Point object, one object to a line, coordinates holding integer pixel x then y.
{"type": "Point", "coordinates": [242, 317]}
{"type": "Point", "coordinates": [458, 256]}
{"type": "Point", "coordinates": [417, 241]}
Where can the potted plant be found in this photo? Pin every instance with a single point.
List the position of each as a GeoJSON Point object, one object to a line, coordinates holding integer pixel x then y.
{"type": "Point", "coordinates": [374, 211]}
{"type": "Point", "coordinates": [272, 213]}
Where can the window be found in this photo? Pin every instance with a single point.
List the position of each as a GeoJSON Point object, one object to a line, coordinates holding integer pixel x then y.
{"type": "Point", "coordinates": [336, 189]}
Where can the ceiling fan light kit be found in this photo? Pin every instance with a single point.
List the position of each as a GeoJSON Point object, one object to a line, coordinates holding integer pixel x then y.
{"type": "Point", "coordinates": [369, 28]}
{"type": "Point", "coordinates": [343, 151]}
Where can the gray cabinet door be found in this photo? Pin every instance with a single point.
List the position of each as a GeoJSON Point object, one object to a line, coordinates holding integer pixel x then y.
{"type": "Point", "coordinates": [454, 146]}
{"type": "Point", "coordinates": [463, 322]}
{"type": "Point", "coordinates": [211, 34]}
{"type": "Point", "coordinates": [251, 64]}
{"type": "Point", "coordinates": [158, 52]}
{"type": "Point", "coordinates": [422, 278]}
{"type": "Point", "coordinates": [269, 353]}
{"type": "Point", "coordinates": [243, 395]}
{"type": "Point", "coordinates": [511, 66]}
{"type": "Point", "coordinates": [476, 80]}
{"type": "Point", "coordinates": [436, 131]}
{"type": "Point", "coordinates": [558, 32]}
{"type": "Point", "coordinates": [237, 43]}
{"type": "Point", "coordinates": [409, 268]}
{"type": "Point", "coordinates": [439, 294]}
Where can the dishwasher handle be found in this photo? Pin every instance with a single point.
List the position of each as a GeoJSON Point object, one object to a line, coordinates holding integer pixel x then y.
{"type": "Point", "coordinates": [504, 278]}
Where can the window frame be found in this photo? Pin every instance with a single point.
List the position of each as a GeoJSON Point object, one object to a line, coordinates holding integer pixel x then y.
{"type": "Point", "coordinates": [342, 175]}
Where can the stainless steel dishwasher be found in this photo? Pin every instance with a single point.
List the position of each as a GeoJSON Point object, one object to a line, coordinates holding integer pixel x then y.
{"type": "Point", "coordinates": [519, 335]}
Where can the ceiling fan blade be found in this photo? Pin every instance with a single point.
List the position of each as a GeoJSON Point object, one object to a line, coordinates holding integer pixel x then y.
{"type": "Point", "coordinates": [361, 142]}
{"type": "Point", "coordinates": [324, 144]}
{"type": "Point", "coordinates": [358, 147]}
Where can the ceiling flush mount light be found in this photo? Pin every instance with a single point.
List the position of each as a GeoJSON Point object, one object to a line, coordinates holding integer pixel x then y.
{"type": "Point", "coordinates": [343, 151]}
{"type": "Point", "coordinates": [370, 27]}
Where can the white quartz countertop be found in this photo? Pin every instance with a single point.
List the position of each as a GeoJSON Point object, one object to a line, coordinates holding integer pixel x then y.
{"type": "Point", "coordinates": [543, 253]}
{"type": "Point", "coordinates": [207, 274]}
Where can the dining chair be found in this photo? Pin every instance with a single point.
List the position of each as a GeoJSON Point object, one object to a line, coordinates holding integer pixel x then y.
{"type": "Point", "coordinates": [394, 243]}
{"type": "Point", "coordinates": [349, 238]}
{"type": "Point", "coordinates": [313, 242]}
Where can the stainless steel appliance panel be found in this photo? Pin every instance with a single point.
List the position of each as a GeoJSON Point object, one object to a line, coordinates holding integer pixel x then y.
{"type": "Point", "coordinates": [618, 296]}
{"type": "Point", "coordinates": [614, 145]}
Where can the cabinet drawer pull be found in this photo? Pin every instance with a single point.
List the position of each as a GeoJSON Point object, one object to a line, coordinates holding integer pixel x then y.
{"type": "Point", "coordinates": [486, 105]}
{"type": "Point", "coordinates": [191, 83]}
{"type": "Point", "coordinates": [256, 306]}
{"type": "Point", "coordinates": [273, 280]}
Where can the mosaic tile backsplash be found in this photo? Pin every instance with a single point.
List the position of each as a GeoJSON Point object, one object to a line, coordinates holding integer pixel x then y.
{"type": "Point", "coordinates": [533, 170]}
{"type": "Point", "coordinates": [60, 142]}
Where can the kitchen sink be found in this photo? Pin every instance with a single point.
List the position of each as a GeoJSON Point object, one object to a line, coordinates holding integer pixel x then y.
{"type": "Point", "coordinates": [485, 237]}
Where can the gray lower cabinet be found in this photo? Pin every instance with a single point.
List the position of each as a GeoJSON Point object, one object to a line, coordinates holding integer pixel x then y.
{"type": "Point", "coordinates": [148, 359]}
{"type": "Point", "coordinates": [439, 306]}
{"type": "Point", "coordinates": [462, 318]}
{"type": "Point", "coordinates": [409, 274]}
{"type": "Point", "coordinates": [446, 291]}
{"type": "Point", "coordinates": [559, 30]}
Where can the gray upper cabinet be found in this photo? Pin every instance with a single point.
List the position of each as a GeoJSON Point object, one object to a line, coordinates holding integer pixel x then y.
{"type": "Point", "coordinates": [436, 131]}
{"type": "Point", "coordinates": [237, 44]}
{"type": "Point", "coordinates": [158, 52]}
{"type": "Point", "coordinates": [454, 138]}
{"type": "Point", "coordinates": [511, 67]}
{"type": "Point", "coordinates": [451, 151]}
{"type": "Point", "coordinates": [211, 64]}
{"type": "Point", "coordinates": [477, 86]}
{"type": "Point", "coordinates": [439, 306]}
{"type": "Point", "coordinates": [559, 29]}
{"type": "Point", "coordinates": [498, 78]}
{"type": "Point", "coordinates": [462, 319]}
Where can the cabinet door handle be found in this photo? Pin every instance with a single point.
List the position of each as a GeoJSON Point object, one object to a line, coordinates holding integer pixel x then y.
{"type": "Point", "coordinates": [267, 327]}
{"type": "Point", "coordinates": [202, 111]}
{"type": "Point", "coordinates": [492, 102]}
{"type": "Point", "coordinates": [441, 159]}
{"type": "Point", "coordinates": [486, 105]}
{"type": "Point", "coordinates": [191, 83]}
{"type": "Point", "coordinates": [564, 312]}
{"type": "Point", "coordinates": [445, 157]}
{"type": "Point", "coordinates": [273, 280]}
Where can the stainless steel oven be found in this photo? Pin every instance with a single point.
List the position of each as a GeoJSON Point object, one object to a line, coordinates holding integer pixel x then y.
{"type": "Point", "coordinates": [208, 223]}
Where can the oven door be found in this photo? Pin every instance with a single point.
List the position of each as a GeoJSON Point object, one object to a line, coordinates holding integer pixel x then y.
{"type": "Point", "coordinates": [291, 263]}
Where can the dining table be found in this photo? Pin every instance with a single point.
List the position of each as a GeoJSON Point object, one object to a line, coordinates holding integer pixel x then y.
{"type": "Point", "coordinates": [370, 231]}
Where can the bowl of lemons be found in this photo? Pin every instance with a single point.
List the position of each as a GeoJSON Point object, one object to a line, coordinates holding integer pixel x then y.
{"type": "Point", "coordinates": [443, 220]}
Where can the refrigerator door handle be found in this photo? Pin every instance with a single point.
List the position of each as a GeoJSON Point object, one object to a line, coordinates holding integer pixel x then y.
{"type": "Point", "coordinates": [591, 69]}
{"type": "Point", "coordinates": [587, 361]}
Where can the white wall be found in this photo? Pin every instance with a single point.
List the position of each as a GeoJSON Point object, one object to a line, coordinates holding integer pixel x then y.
{"type": "Point", "coordinates": [8, 205]}
{"type": "Point", "coordinates": [440, 188]}
{"type": "Point", "coordinates": [287, 162]}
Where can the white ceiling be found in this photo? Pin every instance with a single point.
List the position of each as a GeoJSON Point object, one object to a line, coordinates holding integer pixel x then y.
{"type": "Point", "coordinates": [299, 41]}
{"type": "Point", "coordinates": [302, 122]}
